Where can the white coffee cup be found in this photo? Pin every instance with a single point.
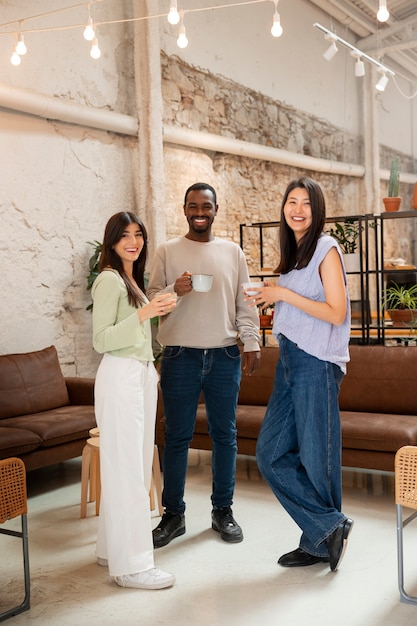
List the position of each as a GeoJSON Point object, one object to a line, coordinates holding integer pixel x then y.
{"type": "Point", "coordinates": [252, 288]}
{"type": "Point", "coordinates": [202, 282]}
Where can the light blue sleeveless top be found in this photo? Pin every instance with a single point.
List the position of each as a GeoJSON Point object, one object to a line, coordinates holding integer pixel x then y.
{"type": "Point", "coordinates": [321, 339]}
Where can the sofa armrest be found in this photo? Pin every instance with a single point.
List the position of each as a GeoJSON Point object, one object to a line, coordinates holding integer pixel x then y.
{"type": "Point", "coordinates": [80, 390]}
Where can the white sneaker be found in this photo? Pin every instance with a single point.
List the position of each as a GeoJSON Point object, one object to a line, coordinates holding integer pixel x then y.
{"type": "Point", "coordinates": [151, 579]}
{"type": "Point", "coordinates": [102, 562]}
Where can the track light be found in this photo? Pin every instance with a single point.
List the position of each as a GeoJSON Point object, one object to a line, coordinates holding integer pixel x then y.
{"type": "Point", "coordinates": [359, 65]}
{"type": "Point", "coordinates": [332, 50]}
{"type": "Point", "coordinates": [21, 46]}
{"type": "Point", "coordinates": [276, 30]}
{"type": "Point", "coordinates": [383, 13]}
{"type": "Point", "coordinates": [382, 83]}
{"type": "Point", "coordinates": [182, 41]}
{"type": "Point", "coordinates": [95, 52]}
{"type": "Point", "coordinates": [173, 15]}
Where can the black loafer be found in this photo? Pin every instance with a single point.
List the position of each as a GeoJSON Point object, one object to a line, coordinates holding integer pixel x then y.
{"type": "Point", "coordinates": [299, 558]}
{"type": "Point", "coordinates": [337, 542]}
{"type": "Point", "coordinates": [171, 525]}
{"type": "Point", "coordinates": [223, 522]}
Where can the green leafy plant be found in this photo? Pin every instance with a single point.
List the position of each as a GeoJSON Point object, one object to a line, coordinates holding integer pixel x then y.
{"type": "Point", "coordinates": [400, 297]}
{"type": "Point", "coordinates": [93, 265]}
{"type": "Point", "coordinates": [394, 179]}
{"type": "Point", "coordinates": [346, 234]}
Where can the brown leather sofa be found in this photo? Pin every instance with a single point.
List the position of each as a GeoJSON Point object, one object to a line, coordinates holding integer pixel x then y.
{"type": "Point", "coordinates": [378, 402]}
{"type": "Point", "coordinates": [44, 417]}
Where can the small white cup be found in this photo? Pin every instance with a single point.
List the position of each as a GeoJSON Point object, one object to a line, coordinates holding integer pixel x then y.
{"type": "Point", "coordinates": [202, 282]}
{"type": "Point", "coordinates": [252, 289]}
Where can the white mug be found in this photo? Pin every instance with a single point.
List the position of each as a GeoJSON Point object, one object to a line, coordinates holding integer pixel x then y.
{"type": "Point", "coordinates": [252, 288]}
{"type": "Point", "coordinates": [202, 282]}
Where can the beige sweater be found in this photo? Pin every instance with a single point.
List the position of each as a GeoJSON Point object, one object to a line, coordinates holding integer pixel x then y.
{"type": "Point", "coordinates": [205, 320]}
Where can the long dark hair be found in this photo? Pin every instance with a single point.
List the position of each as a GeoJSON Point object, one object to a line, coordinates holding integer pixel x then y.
{"type": "Point", "coordinates": [299, 255]}
{"type": "Point", "coordinates": [114, 230]}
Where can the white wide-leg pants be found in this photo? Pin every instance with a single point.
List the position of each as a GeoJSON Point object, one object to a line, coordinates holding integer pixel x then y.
{"type": "Point", "coordinates": [125, 407]}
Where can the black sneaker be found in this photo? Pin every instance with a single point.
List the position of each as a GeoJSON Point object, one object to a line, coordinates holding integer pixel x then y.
{"type": "Point", "coordinates": [171, 525]}
{"type": "Point", "coordinates": [223, 522]}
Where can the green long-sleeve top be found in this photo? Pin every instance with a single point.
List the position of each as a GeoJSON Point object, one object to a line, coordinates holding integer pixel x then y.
{"type": "Point", "coordinates": [116, 325]}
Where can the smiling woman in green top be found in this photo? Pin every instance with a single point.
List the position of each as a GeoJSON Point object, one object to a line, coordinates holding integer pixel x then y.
{"type": "Point", "coordinates": [125, 404]}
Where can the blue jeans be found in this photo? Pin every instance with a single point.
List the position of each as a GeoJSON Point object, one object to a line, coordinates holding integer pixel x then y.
{"type": "Point", "coordinates": [185, 373]}
{"type": "Point", "coordinates": [299, 446]}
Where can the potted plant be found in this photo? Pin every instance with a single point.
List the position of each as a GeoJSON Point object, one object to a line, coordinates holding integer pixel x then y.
{"type": "Point", "coordinates": [400, 302]}
{"type": "Point", "coordinates": [393, 201]}
{"type": "Point", "coordinates": [347, 236]}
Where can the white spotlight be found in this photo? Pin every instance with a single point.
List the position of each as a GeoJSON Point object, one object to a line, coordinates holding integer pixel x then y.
{"type": "Point", "coordinates": [383, 13]}
{"type": "Point", "coordinates": [359, 67]}
{"type": "Point", "coordinates": [332, 50]}
{"type": "Point", "coordinates": [382, 83]}
{"type": "Point", "coordinates": [173, 15]}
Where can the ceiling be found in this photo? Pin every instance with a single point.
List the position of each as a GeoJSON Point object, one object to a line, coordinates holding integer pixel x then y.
{"type": "Point", "coordinates": [394, 42]}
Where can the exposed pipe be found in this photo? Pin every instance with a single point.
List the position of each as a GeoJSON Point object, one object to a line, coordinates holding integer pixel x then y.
{"type": "Point", "coordinates": [49, 107]}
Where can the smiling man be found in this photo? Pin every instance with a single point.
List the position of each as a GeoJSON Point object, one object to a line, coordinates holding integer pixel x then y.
{"type": "Point", "coordinates": [201, 355]}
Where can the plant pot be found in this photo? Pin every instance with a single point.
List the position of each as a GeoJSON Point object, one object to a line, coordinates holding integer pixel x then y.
{"type": "Point", "coordinates": [352, 262]}
{"type": "Point", "coordinates": [391, 204]}
{"type": "Point", "coordinates": [403, 317]}
{"type": "Point", "coordinates": [265, 321]}
{"type": "Point", "coordinates": [414, 201]}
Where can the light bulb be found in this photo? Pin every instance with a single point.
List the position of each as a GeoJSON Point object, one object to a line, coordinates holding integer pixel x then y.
{"type": "Point", "coordinates": [382, 83]}
{"type": "Point", "coordinates": [95, 52]}
{"type": "Point", "coordinates": [276, 30]}
{"type": "Point", "coordinates": [182, 41]}
{"type": "Point", "coordinates": [359, 67]}
{"type": "Point", "coordinates": [173, 15]}
{"type": "Point", "coordinates": [21, 46]}
{"type": "Point", "coordinates": [383, 13]}
{"type": "Point", "coordinates": [15, 58]}
{"type": "Point", "coordinates": [89, 33]}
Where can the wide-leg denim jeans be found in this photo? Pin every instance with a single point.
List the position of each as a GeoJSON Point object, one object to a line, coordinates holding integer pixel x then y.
{"type": "Point", "coordinates": [299, 446]}
{"type": "Point", "coordinates": [185, 373]}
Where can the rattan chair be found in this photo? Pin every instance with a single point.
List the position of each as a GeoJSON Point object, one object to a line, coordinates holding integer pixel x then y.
{"type": "Point", "coordinates": [13, 502]}
{"type": "Point", "coordinates": [405, 496]}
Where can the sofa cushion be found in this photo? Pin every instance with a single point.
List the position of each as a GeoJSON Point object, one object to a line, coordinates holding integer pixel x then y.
{"type": "Point", "coordinates": [374, 431]}
{"type": "Point", "coordinates": [31, 382]}
{"type": "Point", "coordinates": [57, 426]}
{"type": "Point", "coordinates": [257, 388]}
{"type": "Point", "coordinates": [16, 441]}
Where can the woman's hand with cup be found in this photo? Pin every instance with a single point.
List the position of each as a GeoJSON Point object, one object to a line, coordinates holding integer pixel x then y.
{"type": "Point", "coordinates": [268, 293]}
{"type": "Point", "coordinates": [162, 304]}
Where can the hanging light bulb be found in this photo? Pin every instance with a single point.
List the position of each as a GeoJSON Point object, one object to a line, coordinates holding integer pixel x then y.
{"type": "Point", "coordinates": [95, 52]}
{"type": "Point", "coordinates": [15, 58]}
{"type": "Point", "coordinates": [89, 32]}
{"type": "Point", "coordinates": [383, 81]}
{"type": "Point", "coordinates": [182, 41]}
{"type": "Point", "coordinates": [332, 50]}
{"type": "Point", "coordinates": [173, 15]}
{"type": "Point", "coordinates": [21, 46]}
{"type": "Point", "coordinates": [383, 13]}
{"type": "Point", "coordinates": [276, 30]}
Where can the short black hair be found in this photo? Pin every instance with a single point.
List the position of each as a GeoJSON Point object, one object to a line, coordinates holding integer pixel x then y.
{"type": "Point", "coordinates": [201, 187]}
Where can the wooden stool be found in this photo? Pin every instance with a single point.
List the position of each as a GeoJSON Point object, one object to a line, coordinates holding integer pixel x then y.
{"type": "Point", "coordinates": [90, 476]}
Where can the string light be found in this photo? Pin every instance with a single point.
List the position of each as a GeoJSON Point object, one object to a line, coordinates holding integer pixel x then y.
{"type": "Point", "coordinates": [182, 41]}
{"type": "Point", "coordinates": [383, 13]}
{"type": "Point", "coordinates": [15, 58]}
{"type": "Point", "coordinates": [95, 52]}
{"type": "Point", "coordinates": [276, 30]}
{"type": "Point", "coordinates": [173, 15]}
{"type": "Point", "coordinates": [89, 32]}
{"type": "Point", "coordinates": [21, 48]}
